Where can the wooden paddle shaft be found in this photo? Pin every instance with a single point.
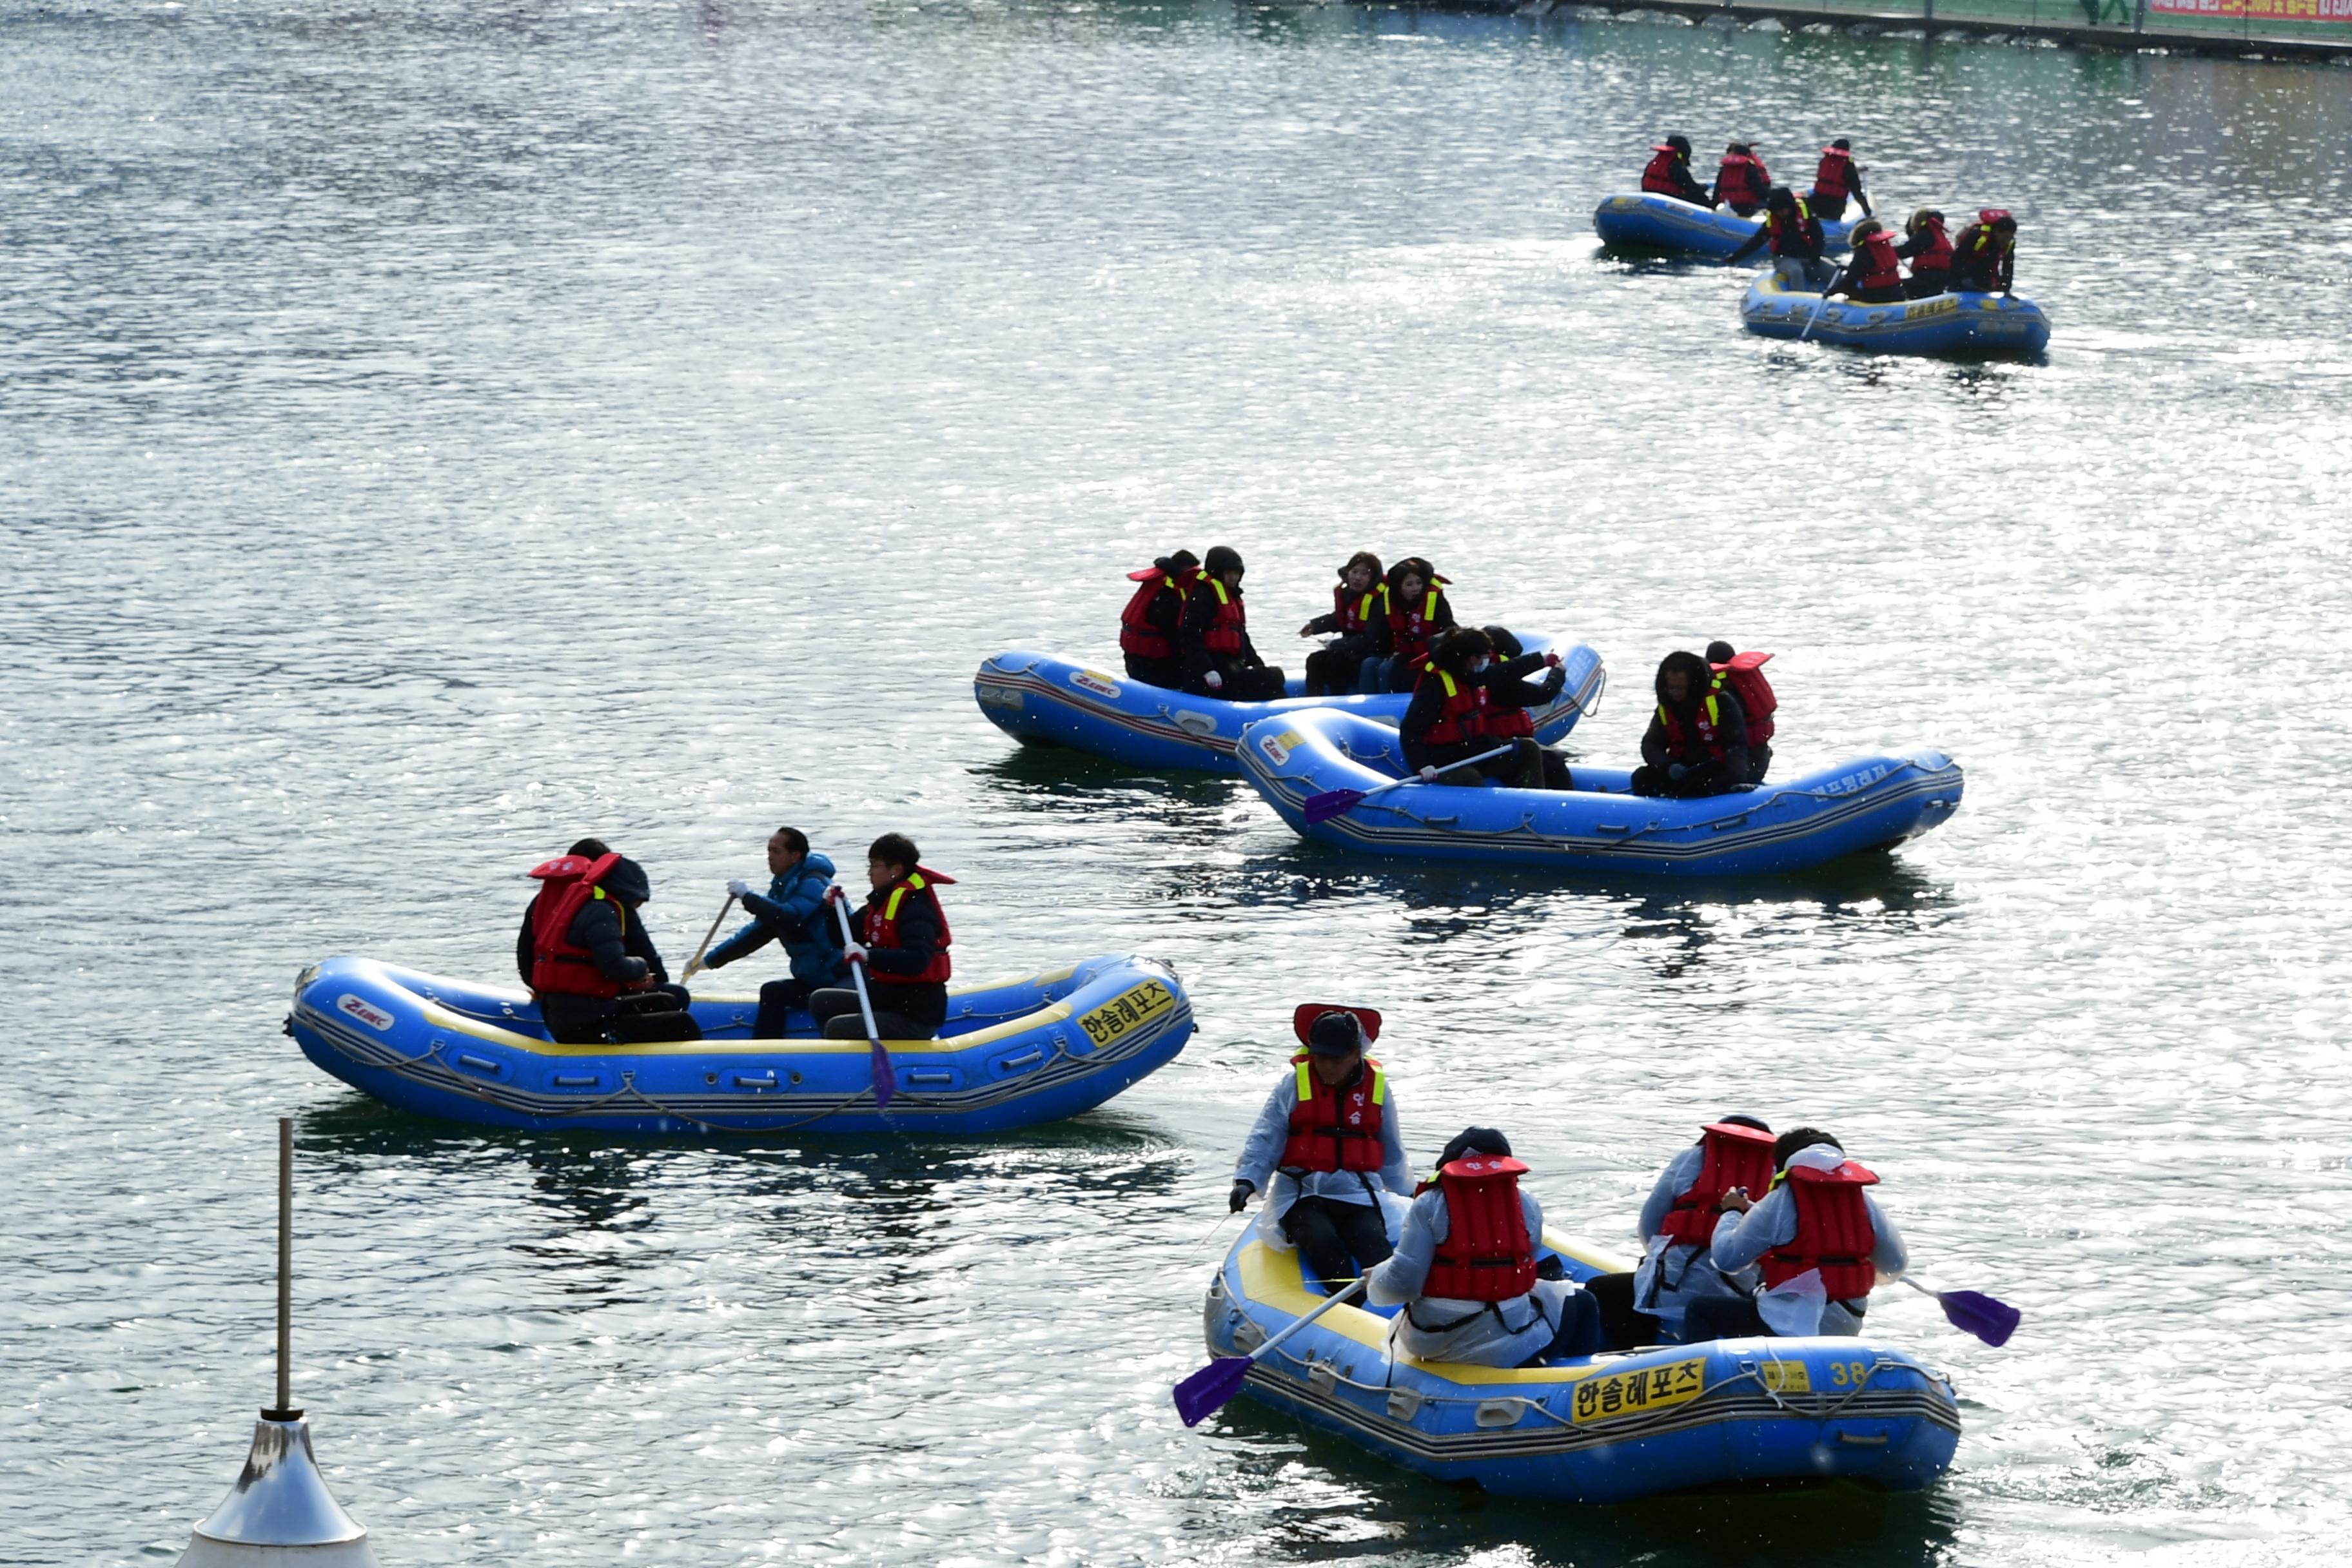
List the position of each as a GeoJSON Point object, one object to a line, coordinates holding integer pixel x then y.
{"type": "Point", "coordinates": [713, 931]}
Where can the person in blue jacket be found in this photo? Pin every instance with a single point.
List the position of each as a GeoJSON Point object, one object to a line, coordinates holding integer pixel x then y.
{"type": "Point", "coordinates": [792, 913]}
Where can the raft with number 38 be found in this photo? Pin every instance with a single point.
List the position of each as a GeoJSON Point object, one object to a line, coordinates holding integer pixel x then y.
{"type": "Point", "coordinates": [1597, 1429]}
{"type": "Point", "coordinates": [1011, 1054]}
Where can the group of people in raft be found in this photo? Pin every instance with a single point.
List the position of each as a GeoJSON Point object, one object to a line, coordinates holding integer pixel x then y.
{"type": "Point", "coordinates": [1983, 256]}
{"type": "Point", "coordinates": [1187, 628]}
{"type": "Point", "coordinates": [1745, 1233]}
{"type": "Point", "coordinates": [589, 961]}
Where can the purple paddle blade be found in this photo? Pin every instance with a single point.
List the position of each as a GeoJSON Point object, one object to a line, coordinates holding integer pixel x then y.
{"type": "Point", "coordinates": [885, 1082]}
{"type": "Point", "coordinates": [1205, 1392]}
{"type": "Point", "coordinates": [1331, 803]}
{"type": "Point", "coordinates": [1990, 1320]}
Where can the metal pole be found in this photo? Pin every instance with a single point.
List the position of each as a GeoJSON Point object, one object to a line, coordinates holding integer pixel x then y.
{"type": "Point", "coordinates": [285, 1266]}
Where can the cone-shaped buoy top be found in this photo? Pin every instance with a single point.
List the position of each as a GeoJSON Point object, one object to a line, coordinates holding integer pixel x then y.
{"type": "Point", "coordinates": [281, 1510]}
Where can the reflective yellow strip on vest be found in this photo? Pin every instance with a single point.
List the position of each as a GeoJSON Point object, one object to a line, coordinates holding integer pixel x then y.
{"type": "Point", "coordinates": [1305, 1083]}
{"type": "Point", "coordinates": [1380, 1086]}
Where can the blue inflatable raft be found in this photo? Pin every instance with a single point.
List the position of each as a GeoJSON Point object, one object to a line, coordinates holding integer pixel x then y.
{"type": "Point", "coordinates": [1600, 1429]}
{"type": "Point", "coordinates": [1961, 323]}
{"type": "Point", "coordinates": [1872, 803]}
{"type": "Point", "coordinates": [1012, 1055]}
{"type": "Point", "coordinates": [1646, 221]}
{"type": "Point", "coordinates": [1040, 700]}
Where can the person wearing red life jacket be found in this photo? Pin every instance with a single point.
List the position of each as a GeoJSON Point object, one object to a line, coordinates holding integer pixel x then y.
{"type": "Point", "coordinates": [1220, 660]}
{"type": "Point", "coordinates": [1697, 743]}
{"type": "Point", "coordinates": [902, 946]}
{"type": "Point", "coordinates": [1743, 675]}
{"type": "Point", "coordinates": [1817, 1239]}
{"type": "Point", "coordinates": [1669, 174]}
{"type": "Point", "coordinates": [1356, 604]}
{"type": "Point", "coordinates": [1154, 617]}
{"type": "Point", "coordinates": [1415, 611]}
{"type": "Point", "coordinates": [595, 974]}
{"type": "Point", "coordinates": [1468, 701]}
{"type": "Point", "coordinates": [1794, 233]}
{"type": "Point", "coordinates": [1984, 256]}
{"type": "Point", "coordinates": [1467, 1272]}
{"type": "Point", "coordinates": [1742, 180]}
{"type": "Point", "coordinates": [1837, 181]}
{"type": "Point", "coordinates": [1677, 1221]}
{"type": "Point", "coordinates": [1873, 275]}
{"type": "Point", "coordinates": [1929, 248]}
{"type": "Point", "coordinates": [1326, 1146]}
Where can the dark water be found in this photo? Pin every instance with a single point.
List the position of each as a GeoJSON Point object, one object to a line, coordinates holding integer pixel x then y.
{"type": "Point", "coordinates": [432, 433]}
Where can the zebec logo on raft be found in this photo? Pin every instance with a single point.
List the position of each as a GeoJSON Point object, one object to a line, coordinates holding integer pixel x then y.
{"type": "Point", "coordinates": [374, 1018]}
{"type": "Point", "coordinates": [1091, 680]}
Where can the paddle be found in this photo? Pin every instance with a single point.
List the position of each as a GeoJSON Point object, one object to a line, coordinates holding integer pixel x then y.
{"type": "Point", "coordinates": [1205, 1392]}
{"type": "Point", "coordinates": [1823, 305]}
{"type": "Point", "coordinates": [1334, 803]}
{"type": "Point", "coordinates": [885, 1080]}
{"type": "Point", "coordinates": [1990, 1320]}
{"type": "Point", "coordinates": [694, 965]}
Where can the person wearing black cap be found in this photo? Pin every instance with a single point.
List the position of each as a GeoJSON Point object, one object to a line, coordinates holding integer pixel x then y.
{"type": "Point", "coordinates": [1220, 660]}
{"type": "Point", "coordinates": [1148, 626]}
{"type": "Point", "coordinates": [1697, 743]}
{"type": "Point", "coordinates": [1466, 1271]}
{"type": "Point", "coordinates": [1646, 1307]}
{"type": "Point", "coordinates": [592, 970]}
{"type": "Point", "coordinates": [1795, 236]}
{"type": "Point", "coordinates": [1324, 1146]}
{"type": "Point", "coordinates": [1835, 181]}
{"type": "Point", "coordinates": [1741, 181]}
{"type": "Point", "coordinates": [1669, 174]}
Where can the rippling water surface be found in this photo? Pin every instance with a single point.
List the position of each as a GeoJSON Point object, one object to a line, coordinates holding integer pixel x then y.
{"type": "Point", "coordinates": [430, 432]}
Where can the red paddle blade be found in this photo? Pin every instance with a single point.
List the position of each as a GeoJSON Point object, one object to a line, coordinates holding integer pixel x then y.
{"type": "Point", "coordinates": [1331, 803]}
{"type": "Point", "coordinates": [885, 1082]}
{"type": "Point", "coordinates": [1205, 1392]}
{"type": "Point", "coordinates": [1990, 1320]}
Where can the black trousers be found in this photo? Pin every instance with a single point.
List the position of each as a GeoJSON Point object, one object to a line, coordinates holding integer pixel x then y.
{"type": "Point", "coordinates": [633, 1019]}
{"type": "Point", "coordinates": [777, 999]}
{"type": "Point", "coordinates": [1760, 761]}
{"type": "Point", "coordinates": [1623, 1326]}
{"type": "Point", "coordinates": [1579, 1332]}
{"type": "Point", "coordinates": [1331, 669]}
{"type": "Point", "coordinates": [1926, 285]}
{"type": "Point", "coordinates": [1167, 672]}
{"type": "Point", "coordinates": [1886, 296]}
{"type": "Point", "coordinates": [1722, 1318]}
{"type": "Point", "coordinates": [1338, 1240]}
{"type": "Point", "coordinates": [839, 1017]}
{"type": "Point", "coordinates": [1243, 682]}
{"type": "Point", "coordinates": [1706, 778]}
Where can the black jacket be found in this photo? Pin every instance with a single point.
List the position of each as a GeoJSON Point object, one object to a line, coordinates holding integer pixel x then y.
{"type": "Point", "coordinates": [637, 957]}
{"type": "Point", "coordinates": [1384, 636]}
{"type": "Point", "coordinates": [1787, 238]}
{"type": "Point", "coordinates": [923, 1001]}
{"type": "Point", "coordinates": [1732, 721]}
{"type": "Point", "coordinates": [1981, 269]}
{"type": "Point", "coordinates": [1506, 688]}
{"type": "Point", "coordinates": [1200, 614]}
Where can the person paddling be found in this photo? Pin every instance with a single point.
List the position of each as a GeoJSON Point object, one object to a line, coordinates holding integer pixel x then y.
{"type": "Point", "coordinates": [1817, 1239]}
{"type": "Point", "coordinates": [1466, 703]}
{"type": "Point", "coordinates": [1356, 607]}
{"type": "Point", "coordinates": [1984, 257]}
{"type": "Point", "coordinates": [1676, 1226]}
{"type": "Point", "coordinates": [1669, 174]}
{"type": "Point", "coordinates": [792, 912]}
{"type": "Point", "coordinates": [1795, 236]}
{"type": "Point", "coordinates": [1150, 625]}
{"type": "Point", "coordinates": [1465, 1268]}
{"type": "Point", "coordinates": [1873, 274]}
{"type": "Point", "coordinates": [1324, 1146]}
{"type": "Point", "coordinates": [902, 944]}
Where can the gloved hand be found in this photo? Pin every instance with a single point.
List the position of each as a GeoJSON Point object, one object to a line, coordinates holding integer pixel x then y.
{"type": "Point", "coordinates": [1238, 1199]}
{"type": "Point", "coordinates": [1214, 681]}
{"type": "Point", "coordinates": [740, 888]}
{"type": "Point", "coordinates": [694, 966]}
{"type": "Point", "coordinates": [1552, 658]}
{"type": "Point", "coordinates": [833, 893]}
{"type": "Point", "coordinates": [853, 953]}
{"type": "Point", "coordinates": [1678, 770]}
{"type": "Point", "coordinates": [1429, 774]}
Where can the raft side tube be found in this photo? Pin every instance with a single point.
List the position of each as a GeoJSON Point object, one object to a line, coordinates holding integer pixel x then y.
{"type": "Point", "coordinates": [1645, 220]}
{"type": "Point", "coordinates": [1964, 322]}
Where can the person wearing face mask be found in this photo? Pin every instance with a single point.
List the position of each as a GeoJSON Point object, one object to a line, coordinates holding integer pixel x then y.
{"type": "Point", "coordinates": [1697, 743]}
{"type": "Point", "coordinates": [1220, 660]}
{"type": "Point", "coordinates": [1331, 669]}
{"type": "Point", "coordinates": [1326, 1143]}
{"type": "Point", "coordinates": [1468, 701]}
{"type": "Point", "coordinates": [1415, 613]}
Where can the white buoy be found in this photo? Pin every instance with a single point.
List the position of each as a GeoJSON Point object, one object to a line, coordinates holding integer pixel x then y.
{"type": "Point", "coordinates": [280, 1511]}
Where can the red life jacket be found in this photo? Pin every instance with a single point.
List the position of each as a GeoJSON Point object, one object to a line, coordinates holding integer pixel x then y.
{"type": "Point", "coordinates": [1790, 234]}
{"type": "Point", "coordinates": [1982, 254]}
{"type": "Point", "coordinates": [1875, 265]}
{"type": "Point", "coordinates": [1487, 1255]}
{"type": "Point", "coordinates": [1835, 175]}
{"type": "Point", "coordinates": [1337, 1130]}
{"type": "Point", "coordinates": [1742, 180]}
{"type": "Point", "coordinates": [1465, 716]}
{"type": "Point", "coordinates": [1225, 633]}
{"type": "Point", "coordinates": [1353, 611]}
{"type": "Point", "coordinates": [1411, 627]}
{"type": "Point", "coordinates": [1137, 635]}
{"type": "Point", "coordinates": [1665, 175]}
{"type": "Point", "coordinates": [1730, 1156]}
{"type": "Point", "coordinates": [1833, 1232]}
{"type": "Point", "coordinates": [1744, 675]}
{"type": "Point", "coordinates": [1705, 719]}
{"type": "Point", "coordinates": [1938, 257]}
{"type": "Point", "coordinates": [881, 925]}
{"type": "Point", "coordinates": [560, 966]}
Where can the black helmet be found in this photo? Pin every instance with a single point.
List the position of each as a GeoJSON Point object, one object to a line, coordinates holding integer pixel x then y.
{"type": "Point", "coordinates": [1721, 652]}
{"type": "Point", "coordinates": [1843, 145]}
{"type": "Point", "coordinates": [1224, 558]}
{"type": "Point", "coordinates": [1334, 1034]}
{"type": "Point", "coordinates": [626, 881]}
